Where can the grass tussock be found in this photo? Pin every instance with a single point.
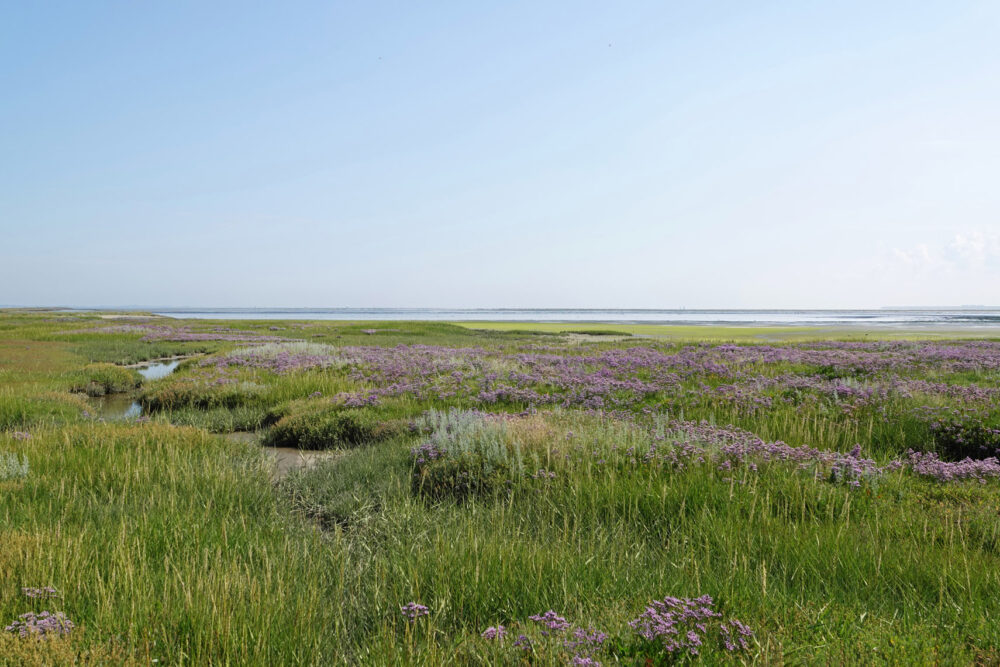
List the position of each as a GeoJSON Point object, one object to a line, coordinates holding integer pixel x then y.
{"type": "Point", "coordinates": [332, 428]}
{"type": "Point", "coordinates": [100, 379]}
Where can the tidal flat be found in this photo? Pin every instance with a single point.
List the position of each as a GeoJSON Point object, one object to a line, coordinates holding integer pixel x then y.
{"type": "Point", "coordinates": [484, 493]}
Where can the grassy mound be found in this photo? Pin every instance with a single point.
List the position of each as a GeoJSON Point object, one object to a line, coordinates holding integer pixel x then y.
{"type": "Point", "coordinates": [332, 428]}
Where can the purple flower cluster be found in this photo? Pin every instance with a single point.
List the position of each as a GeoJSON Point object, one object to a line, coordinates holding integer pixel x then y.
{"type": "Point", "coordinates": [683, 444]}
{"type": "Point", "coordinates": [928, 464]}
{"type": "Point", "coordinates": [45, 624]}
{"type": "Point", "coordinates": [848, 377]}
{"type": "Point", "coordinates": [425, 452]}
{"type": "Point", "coordinates": [550, 620]}
{"type": "Point", "coordinates": [21, 435]}
{"type": "Point", "coordinates": [580, 640]}
{"type": "Point", "coordinates": [359, 400]}
{"type": "Point", "coordinates": [412, 611]}
{"type": "Point", "coordinates": [684, 625]}
{"type": "Point", "coordinates": [752, 393]}
{"type": "Point", "coordinates": [580, 644]}
{"type": "Point", "coordinates": [676, 627]}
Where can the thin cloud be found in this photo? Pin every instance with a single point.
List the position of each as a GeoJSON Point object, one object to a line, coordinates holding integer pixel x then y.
{"type": "Point", "coordinates": [970, 251]}
{"type": "Point", "coordinates": [976, 250]}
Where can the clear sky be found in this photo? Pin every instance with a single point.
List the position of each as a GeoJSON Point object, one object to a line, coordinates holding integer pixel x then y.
{"type": "Point", "coordinates": [534, 154]}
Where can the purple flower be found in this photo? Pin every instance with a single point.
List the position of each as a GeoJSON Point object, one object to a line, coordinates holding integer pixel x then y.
{"type": "Point", "coordinates": [42, 625]}
{"type": "Point", "coordinates": [497, 632]}
{"type": "Point", "coordinates": [551, 620]}
{"type": "Point", "coordinates": [412, 611]}
{"type": "Point", "coordinates": [679, 624]}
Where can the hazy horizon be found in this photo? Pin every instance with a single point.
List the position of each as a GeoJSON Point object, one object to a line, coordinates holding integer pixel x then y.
{"type": "Point", "coordinates": [209, 308]}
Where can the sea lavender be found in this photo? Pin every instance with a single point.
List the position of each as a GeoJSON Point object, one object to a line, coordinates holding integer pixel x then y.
{"type": "Point", "coordinates": [45, 624]}
{"type": "Point", "coordinates": [412, 611]}
{"type": "Point", "coordinates": [680, 625]}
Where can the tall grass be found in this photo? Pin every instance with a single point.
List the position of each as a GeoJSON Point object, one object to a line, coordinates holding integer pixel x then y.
{"type": "Point", "coordinates": [172, 539]}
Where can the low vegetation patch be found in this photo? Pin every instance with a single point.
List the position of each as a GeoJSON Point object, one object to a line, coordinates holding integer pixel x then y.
{"type": "Point", "coordinates": [12, 466]}
{"type": "Point", "coordinates": [101, 379]}
{"type": "Point", "coordinates": [332, 428]}
{"type": "Point", "coordinates": [185, 393]}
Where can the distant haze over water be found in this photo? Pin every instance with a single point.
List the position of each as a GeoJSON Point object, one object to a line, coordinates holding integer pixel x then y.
{"type": "Point", "coordinates": [956, 317]}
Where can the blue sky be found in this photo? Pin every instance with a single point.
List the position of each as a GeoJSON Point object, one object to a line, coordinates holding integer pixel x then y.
{"type": "Point", "coordinates": [647, 154]}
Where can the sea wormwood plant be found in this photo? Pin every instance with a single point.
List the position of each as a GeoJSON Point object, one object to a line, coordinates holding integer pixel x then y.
{"type": "Point", "coordinates": [465, 455]}
{"type": "Point", "coordinates": [13, 466]}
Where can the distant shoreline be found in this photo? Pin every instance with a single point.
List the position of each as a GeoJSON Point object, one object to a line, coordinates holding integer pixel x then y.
{"type": "Point", "coordinates": [964, 318]}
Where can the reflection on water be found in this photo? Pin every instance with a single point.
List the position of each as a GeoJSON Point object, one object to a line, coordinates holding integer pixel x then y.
{"type": "Point", "coordinates": [114, 407]}
{"type": "Point", "coordinates": [117, 407]}
{"type": "Point", "coordinates": [158, 370]}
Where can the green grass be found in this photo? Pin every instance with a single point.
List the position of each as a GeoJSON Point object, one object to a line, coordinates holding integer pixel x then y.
{"type": "Point", "coordinates": [170, 543]}
{"type": "Point", "coordinates": [169, 538]}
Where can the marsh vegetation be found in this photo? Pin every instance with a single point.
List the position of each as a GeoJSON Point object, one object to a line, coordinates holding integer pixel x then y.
{"type": "Point", "coordinates": [494, 496]}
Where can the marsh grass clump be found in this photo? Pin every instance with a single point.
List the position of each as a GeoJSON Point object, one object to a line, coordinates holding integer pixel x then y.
{"type": "Point", "coordinates": [101, 378]}
{"type": "Point", "coordinates": [332, 428]}
{"type": "Point", "coordinates": [12, 466]}
{"type": "Point", "coordinates": [221, 419]}
{"type": "Point", "coordinates": [127, 513]}
{"type": "Point", "coordinates": [184, 393]}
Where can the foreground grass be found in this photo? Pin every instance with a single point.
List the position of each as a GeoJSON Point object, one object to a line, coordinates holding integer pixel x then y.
{"type": "Point", "coordinates": [165, 543]}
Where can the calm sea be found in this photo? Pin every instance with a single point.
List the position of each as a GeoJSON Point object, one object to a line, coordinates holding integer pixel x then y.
{"type": "Point", "coordinates": [966, 317]}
